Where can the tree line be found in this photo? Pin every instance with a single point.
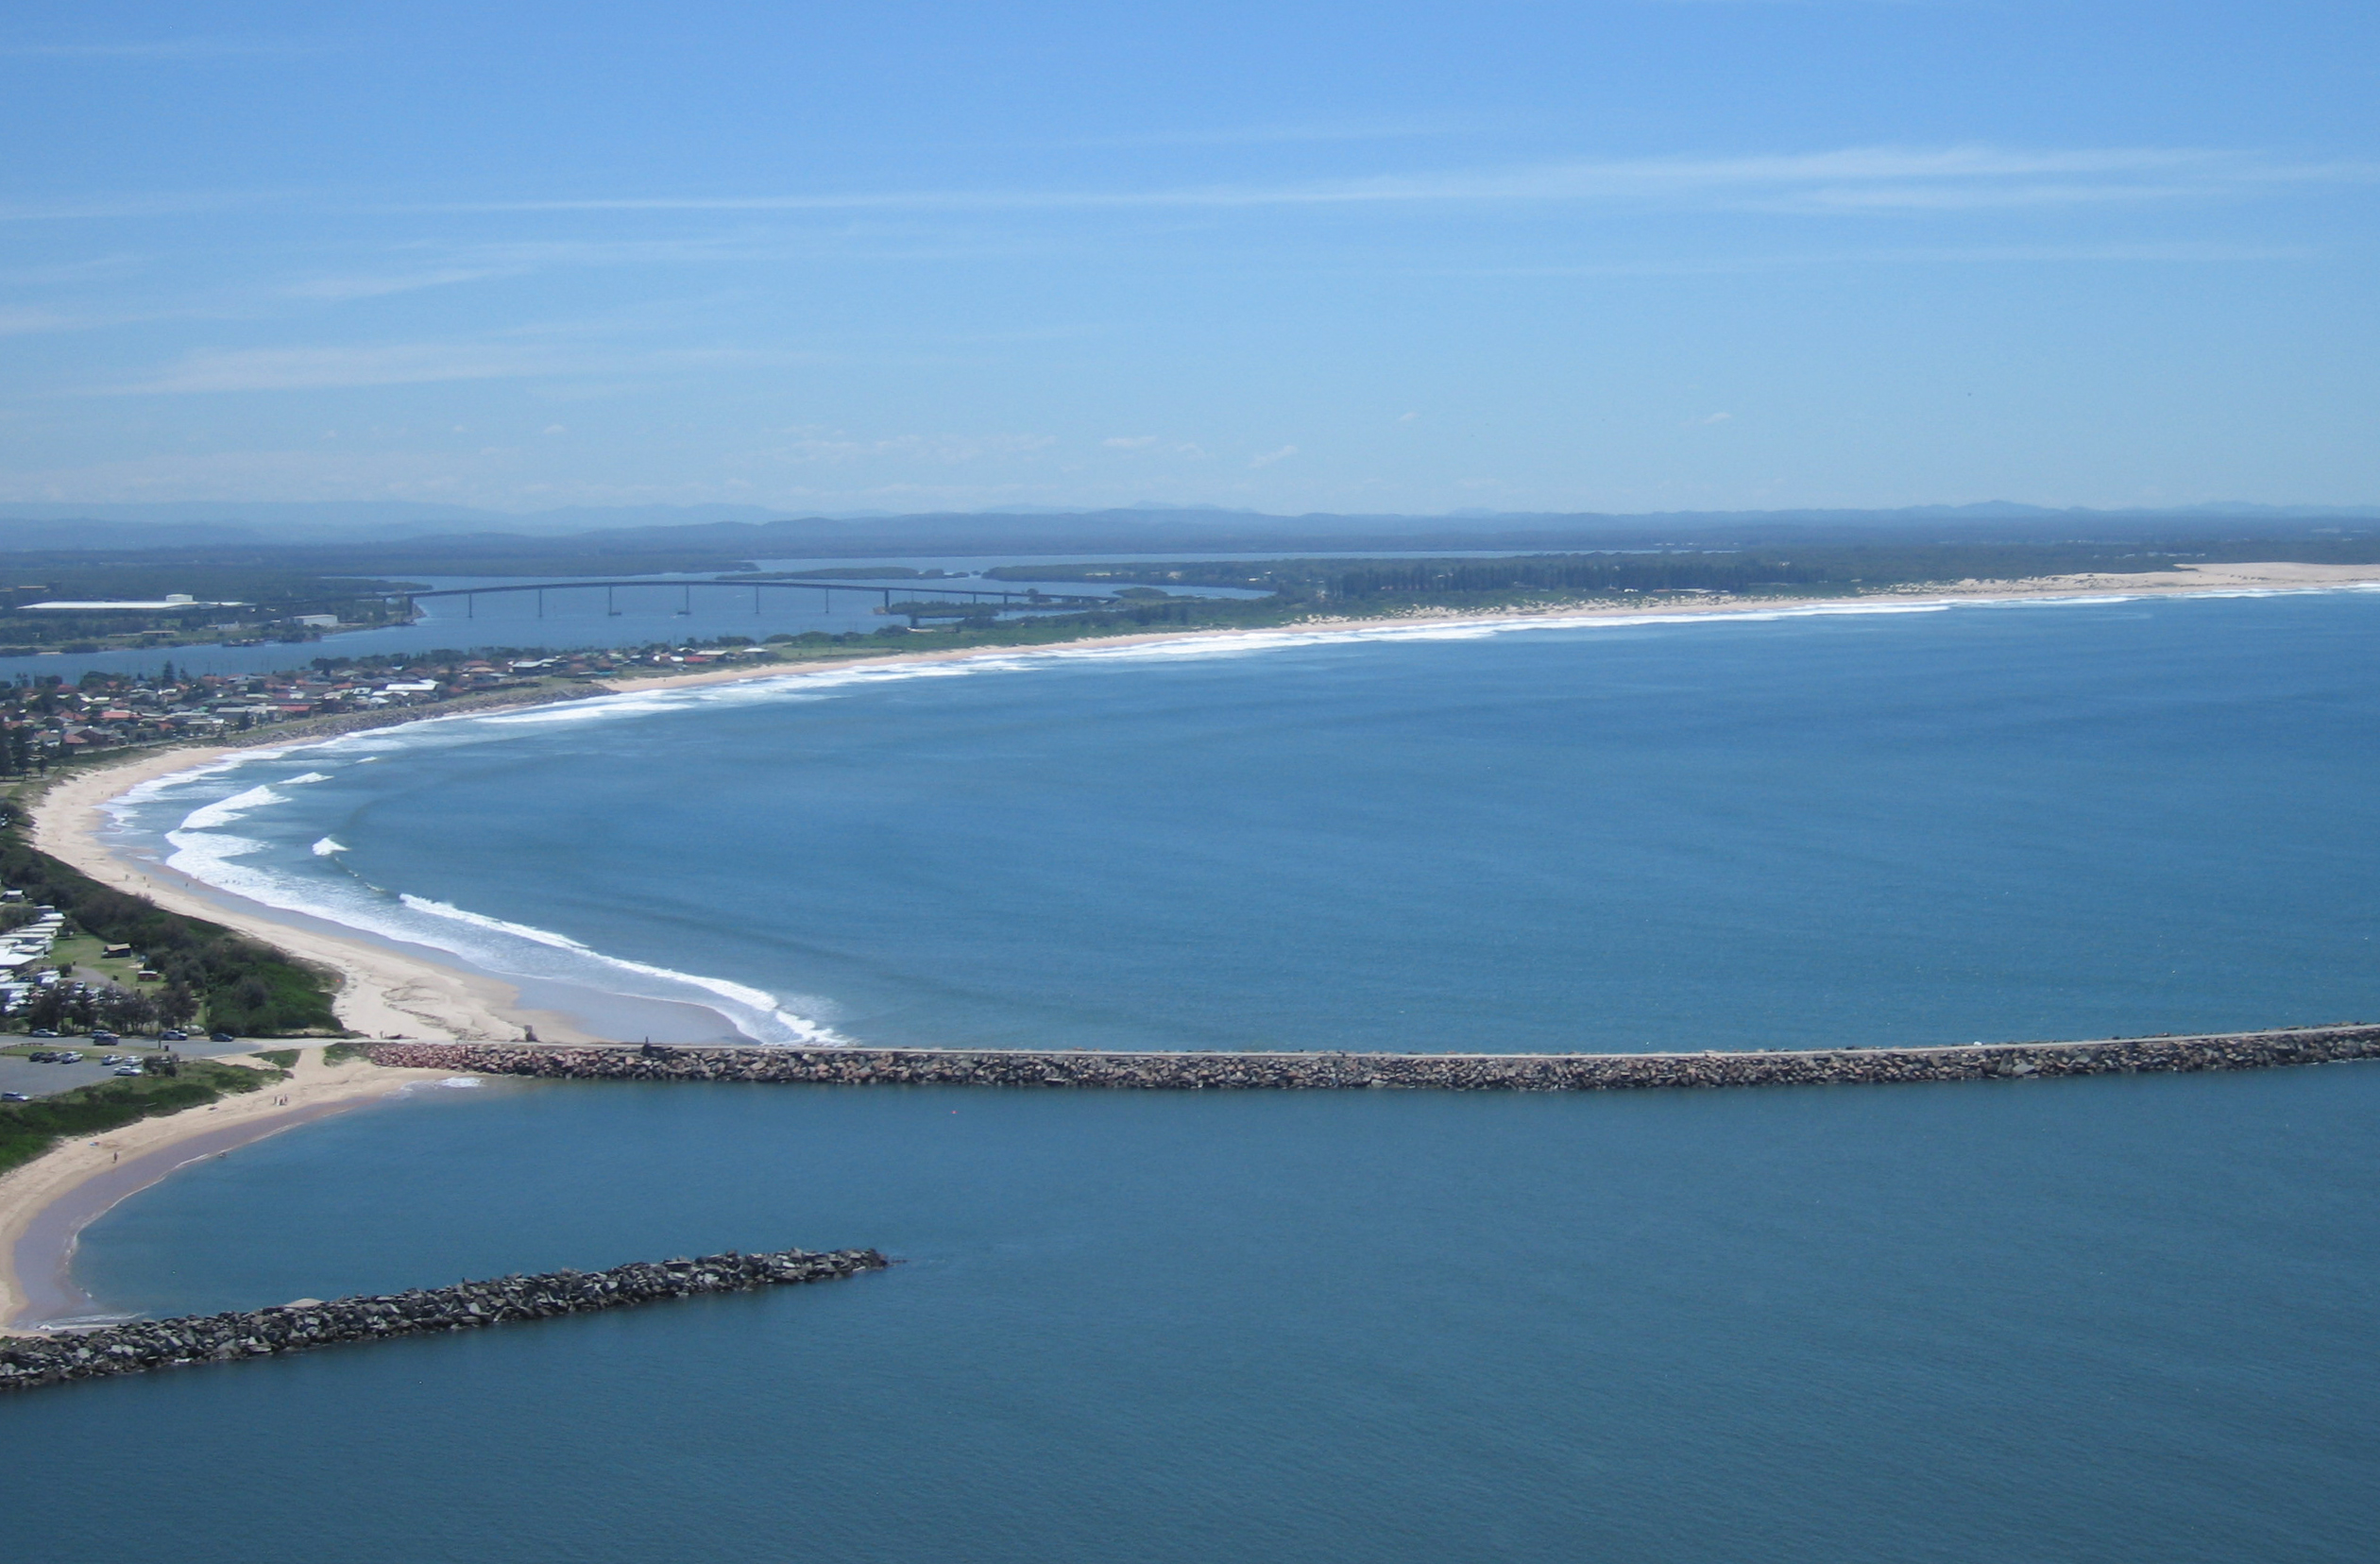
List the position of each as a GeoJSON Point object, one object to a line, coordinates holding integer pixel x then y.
{"type": "Point", "coordinates": [244, 986]}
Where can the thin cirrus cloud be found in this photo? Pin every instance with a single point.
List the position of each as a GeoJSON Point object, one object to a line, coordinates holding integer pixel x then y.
{"type": "Point", "coordinates": [947, 450]}
{"type": "Point", "coordinates": [22, 322]}
{"type": "Point", "coordinates": [338, 289]}
{"type": "Point", "coordinates": [1286, 135]}
{"type": "Point", "coordinates": [324, 368]}
{"type": "Point", "coordinates": [101, 208]}
{"type": "Point", "coordinates": [161, 48]}
{"type": "Point", "coordinates": [1849, 181]}
{"type": "Point", "coordinates": [2174, 252]}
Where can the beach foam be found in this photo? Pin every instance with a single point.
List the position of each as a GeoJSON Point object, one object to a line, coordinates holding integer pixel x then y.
{"type": "Point", "coordinates": [245, 865]}
{"type": "Point", "coordinates": [319, 885]}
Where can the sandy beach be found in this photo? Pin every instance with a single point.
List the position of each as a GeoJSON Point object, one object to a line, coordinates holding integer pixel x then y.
{"type": "Point", "coordinates": [387, 993]}
{"type": "Point", "coordinates": [47, 1202]}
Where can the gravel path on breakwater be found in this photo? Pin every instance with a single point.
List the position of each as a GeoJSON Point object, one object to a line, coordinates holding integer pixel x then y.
{"type": "Point", "coordinates": [134, 1349]}
{"type": "Point", "coordinates": [1441, 1072]}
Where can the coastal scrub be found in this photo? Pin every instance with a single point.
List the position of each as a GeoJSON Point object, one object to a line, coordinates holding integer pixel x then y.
{"type": "Point", "coordinates": [30, 1129]}
{"type": "Point", "coordinates": [245, 987]}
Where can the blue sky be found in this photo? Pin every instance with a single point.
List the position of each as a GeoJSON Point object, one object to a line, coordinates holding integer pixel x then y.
{"type": "Point", "coordinates": [1635, 255]}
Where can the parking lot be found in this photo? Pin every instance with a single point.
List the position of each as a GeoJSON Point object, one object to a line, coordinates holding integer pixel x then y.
{"type": "Point", "coordinates": [20, 1074]}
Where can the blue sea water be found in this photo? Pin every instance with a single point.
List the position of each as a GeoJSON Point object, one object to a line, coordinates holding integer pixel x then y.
{"type": "Point", "coordinates": [2022, 821]}
{"type": "Point", "coordinates": [2103, 1319]}
{"type": "Point", "coordinates": [2094, 1321]}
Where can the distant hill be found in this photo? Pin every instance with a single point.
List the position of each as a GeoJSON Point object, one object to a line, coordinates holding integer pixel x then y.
{"type": "Point", "coordinates": [395, 538]}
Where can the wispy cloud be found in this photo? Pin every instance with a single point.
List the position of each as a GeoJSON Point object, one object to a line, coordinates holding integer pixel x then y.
{"type": "Point", "coordinates": [1286, 135]}
{"type": "Point", "coordinates": [325, 368]}
{"type": "Point", "coordinates": [418, 266]}
{"type": "Point", "coordinates": [100, 206]}
{"type": "Point", "coordinates": [818, 445]}
{"type": "Point", "coordinates": [1851, 180]}
{"type": "Point", "coordinates": [162, 48]}
{"type": "Point", "coordinates": [68, 273]}
{"type": "Point", "coordinates": [22, 322]}
{"type": "Point", "coordinates": [2174, 252]}
{"type": "Point", "coordinates": [335, 289]}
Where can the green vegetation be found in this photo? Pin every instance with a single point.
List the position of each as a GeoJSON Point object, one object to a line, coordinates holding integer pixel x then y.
{"type": "Point", "coordinates": [271, 598]}
{"type": "Point", "coordinates": [240, 985]}
{"type": "Point", "coordinates": [341, 1053]}
{"type": "Point", "coordinates": [30, 1129]}
{"type": "Point", "coordinates": [280, 1059]}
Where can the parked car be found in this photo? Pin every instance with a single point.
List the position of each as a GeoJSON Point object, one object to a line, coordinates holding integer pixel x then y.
{"type": "Point", "coordinates": [15, 1096]}
{"type": "Point", "coordinates": [105, 1037]}
{"type": "Point", "coordinates": [42, 1032]}
{"type": "Point", "coordinates": [170, 1036]}
{"type": "Point", "coordinates": [127, 1070]}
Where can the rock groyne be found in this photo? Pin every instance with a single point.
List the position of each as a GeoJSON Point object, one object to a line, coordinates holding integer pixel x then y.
{"type": "Point", "coordinates": [144, 1345]}
{"type": "Point", "coordinates": [1439, 1072]}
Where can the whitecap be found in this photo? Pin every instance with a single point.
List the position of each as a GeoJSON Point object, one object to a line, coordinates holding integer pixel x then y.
{"type": "Point", "coordinates": [226, 811]}
{"type": "Point", "coordinates": [755, 1009]}
{"type": "Point", "coordinates": [328, 845]}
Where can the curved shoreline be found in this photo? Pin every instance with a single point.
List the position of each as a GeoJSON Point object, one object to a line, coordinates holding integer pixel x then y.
{"type": "Point", "coordinates": [390, 993]}
{"type": "Point", "coordinates": [45, 1204]}
{"type": "Point", "coordinates": [403, 993]}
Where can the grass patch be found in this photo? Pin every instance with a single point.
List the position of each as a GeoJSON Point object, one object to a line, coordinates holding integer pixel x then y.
{"type": "Point", "coordinates": [30, 1129]}
{"type": "Point", "coordinates": [340, 1053]}
{"type": "Point", "coordinates": [285, 1059]}
{"type": "Point", "coordinates": [246, 988]}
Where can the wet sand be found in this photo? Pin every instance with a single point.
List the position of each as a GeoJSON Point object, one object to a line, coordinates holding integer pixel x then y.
{"type": "Point", "coordinates": [46, 1203]}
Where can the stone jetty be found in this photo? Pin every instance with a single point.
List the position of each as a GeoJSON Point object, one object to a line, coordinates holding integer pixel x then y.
{"type": "Point", "coordinates": [144, 1345]}
{"type": "Point", "coordinates": [1435, 1072]}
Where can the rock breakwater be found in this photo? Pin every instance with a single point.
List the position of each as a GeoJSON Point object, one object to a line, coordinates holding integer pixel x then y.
{"type": "Point", "coordinates": [1439, 1072]}
{"type": "Point", "coordinates": [138, 1346]}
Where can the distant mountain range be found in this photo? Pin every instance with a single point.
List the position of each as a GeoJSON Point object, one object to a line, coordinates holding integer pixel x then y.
{"type": "Point", "coordinates": [751, 532]}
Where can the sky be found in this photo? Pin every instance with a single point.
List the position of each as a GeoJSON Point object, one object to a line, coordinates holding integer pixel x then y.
{"type": "Point", "coordinates": [1610, 255]}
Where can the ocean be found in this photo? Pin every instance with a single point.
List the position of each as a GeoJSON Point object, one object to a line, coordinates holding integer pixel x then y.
{"type": "Point", "coordinates": [2093, 1319]}
{"type": "Point", "coordinates": [1989, 822]}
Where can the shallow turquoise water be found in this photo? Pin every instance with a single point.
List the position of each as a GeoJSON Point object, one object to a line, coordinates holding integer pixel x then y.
{"type": "Point", "coordinates": [2105, 1319]}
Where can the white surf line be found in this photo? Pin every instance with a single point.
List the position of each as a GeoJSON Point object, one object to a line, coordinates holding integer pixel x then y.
{"type": "Point", "coordinates": [205, 856]}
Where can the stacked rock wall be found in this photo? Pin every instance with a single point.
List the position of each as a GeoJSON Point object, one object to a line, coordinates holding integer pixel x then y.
{"type": "Point", "coordinates": [1442, 1072]}
{"type": "Point", "coordinates": [133, 1349]}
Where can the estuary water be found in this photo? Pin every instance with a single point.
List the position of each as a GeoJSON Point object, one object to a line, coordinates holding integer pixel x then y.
{"type": "Point", "coordinates": [2103, 1319]}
